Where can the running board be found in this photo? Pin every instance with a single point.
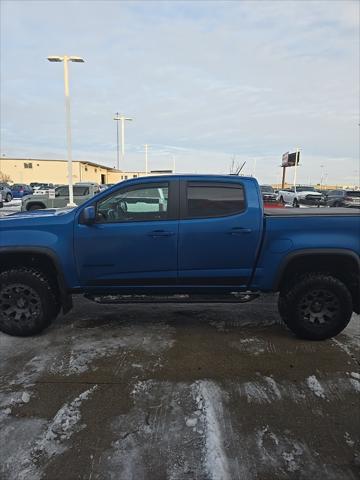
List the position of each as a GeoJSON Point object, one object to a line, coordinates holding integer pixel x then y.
{"type": "Point", "coordinates": [234, 297]}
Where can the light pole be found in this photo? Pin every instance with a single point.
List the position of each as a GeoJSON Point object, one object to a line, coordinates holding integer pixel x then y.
{"type": "Point", "coordinates": [146, 158]}
{"type": "Point", "coordinates": [121, 118]}
{"type": "Point", "coordinates": [296, 165]}
{"type": "Point", "coordinates": [117, 141]}
{"type": "Point", "coordinates": [65, 59]}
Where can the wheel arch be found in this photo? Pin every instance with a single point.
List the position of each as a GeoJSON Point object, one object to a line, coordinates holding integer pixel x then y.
{"type": "Point", "coordinates": [42, 259]}
{"type": "Point", "coordinates": [341, 263]}
{"type": "Point", "coordinates": [34, 202]}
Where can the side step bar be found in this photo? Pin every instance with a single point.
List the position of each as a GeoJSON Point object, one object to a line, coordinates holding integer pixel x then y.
{"type": "Point", "coordinates": [233, 297]}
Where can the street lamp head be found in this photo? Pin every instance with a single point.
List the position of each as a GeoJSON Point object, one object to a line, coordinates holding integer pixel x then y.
{"type": "Point", "coordinates": [55, 59]}
{"type": "Point", "coordinates": [76, 59]}
{"type": "Point", "coordinates": [129, 119]}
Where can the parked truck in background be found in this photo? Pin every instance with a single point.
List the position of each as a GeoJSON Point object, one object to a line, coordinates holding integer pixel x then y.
{"type": "Point", "coordinates": [300, 195]}
{"type": "Point", "coordinates": [38, 201]}
{"type": "Point", "coordinates": [204, 237]}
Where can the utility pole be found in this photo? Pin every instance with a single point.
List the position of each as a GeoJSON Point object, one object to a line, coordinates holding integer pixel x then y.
{"type": "Point", "coordinates": [117, 118]}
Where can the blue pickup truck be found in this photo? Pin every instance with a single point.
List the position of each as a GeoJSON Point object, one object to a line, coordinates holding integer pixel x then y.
{"type": "Point", "coordinates": [170, 238]}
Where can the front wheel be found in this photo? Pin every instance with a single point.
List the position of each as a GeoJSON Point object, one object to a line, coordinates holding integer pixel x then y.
{"type": "Point", "coordinates": [296, 203]}
{"type": "Point", "coordinates": [8, 197]}
{"type": "Point", "coordinates": [316, 307]}
{"type": "Point", "coordinates": [27, 302]}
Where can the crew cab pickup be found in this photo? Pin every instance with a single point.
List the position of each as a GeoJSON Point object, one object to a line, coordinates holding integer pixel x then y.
{"type": "Point", "coordinates": [300, 195]}
{"type": "Point", "coordinates": [181, 238]}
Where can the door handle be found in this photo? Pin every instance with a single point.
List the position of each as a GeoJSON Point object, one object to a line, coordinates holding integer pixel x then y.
{"type": "Point", "coordinates": [239, 231]}
{"type": "Point", "coordinates": [161, 233]}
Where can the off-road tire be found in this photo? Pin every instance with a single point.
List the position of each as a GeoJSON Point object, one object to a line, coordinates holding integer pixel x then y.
{"type": "Point", "coordinates": [296, 203]}
{"type": "Point", "coordinates": [281, 200]}
{"type": "Point", "coordinates": [8, 197]}
{"type": "Point", "coordinates": [28, 303]}
{"type": "Point", "coordinates": [317, 306]}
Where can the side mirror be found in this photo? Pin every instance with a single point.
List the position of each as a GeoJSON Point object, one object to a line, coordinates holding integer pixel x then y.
{"type": "Point", "coordinates": [88, 215]}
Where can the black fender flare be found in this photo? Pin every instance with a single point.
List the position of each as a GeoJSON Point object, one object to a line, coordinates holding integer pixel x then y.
{"type": "Point", "coordinates": [65, 296]}
{"type": "Point", "coordinates": [306, 252]}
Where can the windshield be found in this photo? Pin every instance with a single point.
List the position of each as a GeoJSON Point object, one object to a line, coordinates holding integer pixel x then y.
{"type": "Point", "coordinates": [77, 191]}
{"type": "Point", "coordinates": [17, 187]}
{"type": "Point", "coordinates": [353, 193]}
{"type": "Point", "coordinates": [305, 189]}
{"type": "Point", "coordinates": [266, 189]}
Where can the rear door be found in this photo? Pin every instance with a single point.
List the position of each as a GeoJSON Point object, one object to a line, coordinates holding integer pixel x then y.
{"type": "Point", "coordinates": [219, 232]}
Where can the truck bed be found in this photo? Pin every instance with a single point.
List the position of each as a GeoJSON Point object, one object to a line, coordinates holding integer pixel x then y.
{"type": "Point", "coordinates": [294, 212]}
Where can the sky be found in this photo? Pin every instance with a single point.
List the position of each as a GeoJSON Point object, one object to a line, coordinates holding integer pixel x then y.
{"type": "Point", "coordinates": [205, 82]}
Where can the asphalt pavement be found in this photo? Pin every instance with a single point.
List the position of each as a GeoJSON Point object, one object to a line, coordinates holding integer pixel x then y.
{"type": "Point", "coordinates": [178, 392]}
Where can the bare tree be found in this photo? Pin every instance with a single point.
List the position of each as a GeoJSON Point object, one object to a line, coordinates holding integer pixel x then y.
{"type": "Point", "coordinates": [5, 178]}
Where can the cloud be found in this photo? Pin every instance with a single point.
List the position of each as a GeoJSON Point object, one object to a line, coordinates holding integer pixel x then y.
{"type": "Point", "coordinates": [208, 79]}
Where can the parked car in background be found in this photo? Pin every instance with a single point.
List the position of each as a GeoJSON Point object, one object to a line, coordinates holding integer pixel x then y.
{"type": "Point", "coordinates": [342, 198]}
{"type": "Point", "coordinates": [5, 192]}
{"type": "Point", "coordinates": [300, 195]}
{"type": "Point", "coordinates": [20, 190]}
{"type": "Point", "coordinates": [81, 193]}
{"type": "Point", "coordinates": [269, 197]}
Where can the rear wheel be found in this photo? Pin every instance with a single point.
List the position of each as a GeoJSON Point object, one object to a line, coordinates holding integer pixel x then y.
{"type": "Point", "coordinates": [28, 304]}
{"type": "Point", "coordinates": [316, 307]}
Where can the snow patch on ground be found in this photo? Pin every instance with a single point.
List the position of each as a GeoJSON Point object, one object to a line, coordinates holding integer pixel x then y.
{"type": "Point", "coordinates": [159, 434]}
{"type": "Point", "coordinates": [315, 386]}
{"type": "Point", "coordinates": [349, 441]}
{"type": "Point", "coordinates": [93, 345]}
{"type": "Point", "coordinates": [355, 383]}
{"type": "Point", "coordinates": [249, 345]}
{"type": "Point", "coordinates": [64, 424]}
{"type": "Point", "coordinates": [209, 400]}
{"type": "Point", "coordinates": [26, 442]}
{"type": "Point", "coordinates": [264, 390]}
{"type": "Point", "coordinates": [280, 452]}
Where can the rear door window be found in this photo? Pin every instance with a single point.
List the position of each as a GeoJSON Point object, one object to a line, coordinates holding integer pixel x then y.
{"type": "Point", "coordinates": [205, 200]}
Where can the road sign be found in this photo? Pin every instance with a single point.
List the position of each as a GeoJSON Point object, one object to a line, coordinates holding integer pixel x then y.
{"type": "Point", "coordinates": [52, 193]}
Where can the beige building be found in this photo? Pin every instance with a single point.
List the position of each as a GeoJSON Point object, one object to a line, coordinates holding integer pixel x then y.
{"type": "Point", "coordinates": [28, 170]}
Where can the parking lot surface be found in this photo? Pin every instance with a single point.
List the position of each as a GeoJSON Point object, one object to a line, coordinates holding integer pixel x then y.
{"type": "Point", "coordinates": [10, 207]}
{"type": "Point", "coordinates": [178, 392]}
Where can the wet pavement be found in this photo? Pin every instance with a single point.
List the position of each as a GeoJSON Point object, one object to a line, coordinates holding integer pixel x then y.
{"type": "Point", "coordinates": [179, 392]}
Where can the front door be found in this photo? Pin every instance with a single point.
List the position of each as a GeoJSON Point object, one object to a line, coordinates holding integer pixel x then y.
{"type": "Point", "coordinates": [219, 233]}
{"type": "Point", "coordinates": [134, 239]}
